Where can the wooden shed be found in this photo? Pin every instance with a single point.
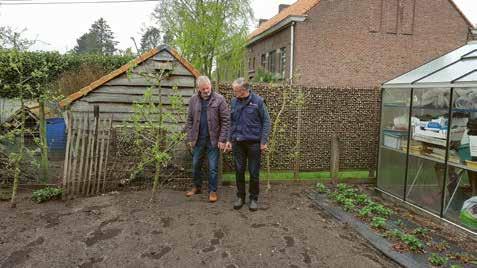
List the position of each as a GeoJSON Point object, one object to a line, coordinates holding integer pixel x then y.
{"type": "Point", "coordinates": [116, 92]}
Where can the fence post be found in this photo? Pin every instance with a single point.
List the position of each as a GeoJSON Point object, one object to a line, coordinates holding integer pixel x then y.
{"type": "Point", "coordinates": [335, 159]}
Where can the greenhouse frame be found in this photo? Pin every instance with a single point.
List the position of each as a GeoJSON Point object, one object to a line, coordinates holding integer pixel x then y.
{"type": "Point", "coordinates": [428, 137]}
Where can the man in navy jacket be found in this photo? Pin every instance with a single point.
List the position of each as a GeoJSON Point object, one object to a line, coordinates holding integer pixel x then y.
{"type": "Point", "coordinates": [248, 138]}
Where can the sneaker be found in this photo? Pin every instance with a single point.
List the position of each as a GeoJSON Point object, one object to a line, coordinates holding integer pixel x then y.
{"type": "Point", "coordinates": [253, 206]}
{"type": "Point", "coordinates": [238, 203]}
{"type": "Point", "coordinates": [194, 191]}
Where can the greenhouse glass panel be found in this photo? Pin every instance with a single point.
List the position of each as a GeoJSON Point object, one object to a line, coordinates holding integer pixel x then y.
{"type": "Point", "coordinates": [394, 137]}
{"type": "Point", "coordinates": [452, 72]}
{"type": "Point", "coordinates": [427, 151]}
{"type": "Point", "coordinates": [426, 69]}
{"type": "Point", "coordinates": [461, 182]}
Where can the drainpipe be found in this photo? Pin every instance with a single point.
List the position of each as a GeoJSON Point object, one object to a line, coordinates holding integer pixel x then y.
{"type": "Point", "coordinates": [292, 50]}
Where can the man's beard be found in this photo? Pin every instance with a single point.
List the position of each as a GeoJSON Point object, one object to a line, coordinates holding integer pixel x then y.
{"type": "Point", "coordinates": [205, 95]}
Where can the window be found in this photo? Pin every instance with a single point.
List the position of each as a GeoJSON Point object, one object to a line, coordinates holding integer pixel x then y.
{"type": "Point", "coordinates": [263, 62]}
{"type": "Point", "coordinates": [272, 61]}
{"type": "Point", "coordinates": [282, 62]}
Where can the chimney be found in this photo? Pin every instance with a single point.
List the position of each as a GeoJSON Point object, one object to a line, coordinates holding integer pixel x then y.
{"type": "Point", "coordinates": [261, 21]}
{"type": "Point", "coordinates": [282, 7]}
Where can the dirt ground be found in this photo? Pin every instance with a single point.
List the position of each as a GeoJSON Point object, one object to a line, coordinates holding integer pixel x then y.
{"type": "Point", "coordinates": [125, 230]}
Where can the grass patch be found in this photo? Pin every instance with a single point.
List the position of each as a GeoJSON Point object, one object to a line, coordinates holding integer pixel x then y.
{"type": "Point", "coordinates": [307, 175]}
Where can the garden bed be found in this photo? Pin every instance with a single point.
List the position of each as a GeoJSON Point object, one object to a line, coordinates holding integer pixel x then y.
{"type": "Point", "coordinates": [409, 238]}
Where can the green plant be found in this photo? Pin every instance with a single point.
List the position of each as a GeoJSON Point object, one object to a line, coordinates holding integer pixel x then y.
{"type": "Point", "coordinates": [444, 245]}
{"type": "Point", "coordinates": [438, 260]}
{"type": "Point", "coordinates": [364, 212]}
{"type": "Point", "coordinates": [456, 266]}
{"type": "Point", "coordinates": [348, 204]}
{"type": "Point", "coordinates": [422, 231]}
{"type": "Point", "coordinates": [321, 188]}
{"type": "Point", "coordinates": [378, 222]}
{"type": "Point", "coordinates": [412, 242]}
{"type": "Point", "coordinates": [380, 210]}
{"type": "Point", "coordinates": [362, 199]}
{"type": "Point", "coordinates": [46, 194]}
{"type": "Point", "coordinates": [342, 187]}
{"type": "Point", "coordinates": [394, 234]}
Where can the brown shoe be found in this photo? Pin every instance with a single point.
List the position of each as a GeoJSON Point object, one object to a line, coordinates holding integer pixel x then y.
{"type": "Point", "coordinates": [192, 192]}
{"type": "Point", "coordinates": [213, 197]}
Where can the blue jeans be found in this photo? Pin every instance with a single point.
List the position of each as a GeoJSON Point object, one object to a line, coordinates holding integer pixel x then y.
{"type": "Point", "coordinates": [200, 149]}
{"type": "Point", "coordinates": [247, 151]}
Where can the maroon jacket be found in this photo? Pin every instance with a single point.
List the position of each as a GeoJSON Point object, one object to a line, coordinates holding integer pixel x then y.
{"type": "Point", "coordinates": [218, 117]}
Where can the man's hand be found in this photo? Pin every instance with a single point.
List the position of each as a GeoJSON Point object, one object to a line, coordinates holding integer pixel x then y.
{"type": "Point", "coordinates": [263, 148]}
{"type": "Point", "coordinates": [228, 146]}
{"type": "Point", "coordinates": [222, 146]}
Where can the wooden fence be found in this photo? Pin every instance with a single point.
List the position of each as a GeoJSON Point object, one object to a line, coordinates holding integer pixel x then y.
{"type": "Point", "coordinates": [87, 152]}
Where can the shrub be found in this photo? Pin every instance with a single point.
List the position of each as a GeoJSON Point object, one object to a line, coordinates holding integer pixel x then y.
{"type": "Point", "coordinates": [46, 194]}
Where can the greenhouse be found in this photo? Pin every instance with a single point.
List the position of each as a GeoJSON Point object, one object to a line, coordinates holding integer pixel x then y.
{"type": "Point", "coordinates": [428, 137]}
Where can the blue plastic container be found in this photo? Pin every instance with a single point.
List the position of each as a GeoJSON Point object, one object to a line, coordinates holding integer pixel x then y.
{"type": "Point", "coordinates": [56, 134]}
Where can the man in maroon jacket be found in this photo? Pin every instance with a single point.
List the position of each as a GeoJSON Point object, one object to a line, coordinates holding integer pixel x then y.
{"type": "Point", "coordinates": [207, 130]}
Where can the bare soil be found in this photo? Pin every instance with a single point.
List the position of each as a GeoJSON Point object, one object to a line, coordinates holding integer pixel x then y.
{"type": "Point", "coordinates": [126, 230]}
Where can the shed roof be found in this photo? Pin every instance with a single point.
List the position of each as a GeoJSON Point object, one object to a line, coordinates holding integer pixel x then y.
{"type": "Point", "coordinates": [123, 69]}
{"type": "Point", "coordinates": [454, 69]}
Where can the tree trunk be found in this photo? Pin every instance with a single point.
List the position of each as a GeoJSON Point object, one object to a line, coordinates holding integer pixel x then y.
{"type": "Point", "coordinates": [43, 144]}
{"type": "Point", "coordinates": [19, 157]}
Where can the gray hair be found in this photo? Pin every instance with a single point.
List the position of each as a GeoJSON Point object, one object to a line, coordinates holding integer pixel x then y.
{"type": "Point", "coordinates": [241, 82]}
{"type": "Point", "coordinates": [202, 80]}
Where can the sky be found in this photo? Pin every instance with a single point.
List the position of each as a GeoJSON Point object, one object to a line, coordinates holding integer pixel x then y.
{"type": "Point", "coordinates": [58, 26]}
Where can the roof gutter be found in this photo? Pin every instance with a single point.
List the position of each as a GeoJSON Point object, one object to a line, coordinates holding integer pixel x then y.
{"type": "Point", "coordinates": [276, 28]}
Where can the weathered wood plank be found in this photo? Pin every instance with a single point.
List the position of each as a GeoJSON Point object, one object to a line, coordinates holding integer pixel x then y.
{"type": "Point", "coordinates": [185, 92]}
{"type": "Point", "coordinates": [81, 106]}
{"type": "Point", "coordinates": [153, 65]}
{"type": "Point", "coordinates": [125, 117]}
{"type": "Point", "coordinates": [138, 80]}
{"type": "Point", "coordinates": [122, 98]}
{"type": "Point", "coordinates": [164, 56]}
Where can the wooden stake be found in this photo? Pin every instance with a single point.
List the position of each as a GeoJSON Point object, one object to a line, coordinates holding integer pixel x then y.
{"type": "Point", "coordinates": [74, 178]}
{"type": "Point", "coordinates": [84, 142]}
{"type": "Point", "coordinates": [107, 153]}
{"type": "Point", "coordinates": [335, 158]}
{"type": "Point", "coordinates": [96, 146]}
{"type": "Point", "coordinates": [101, 154]}
{"type": "Point", "coordinates": [87, 159]}
{"type": "Point", "coordinates": [68, 142]}
{"type": "Point", "coordinates": [91, 158]}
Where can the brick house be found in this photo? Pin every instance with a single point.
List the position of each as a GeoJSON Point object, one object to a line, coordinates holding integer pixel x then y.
{"type": "Point", "coordinates": [354, 43]}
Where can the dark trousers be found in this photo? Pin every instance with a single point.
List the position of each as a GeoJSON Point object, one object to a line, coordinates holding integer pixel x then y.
{"type": "Point", "coordinates": [247, 151]}
{"type": "Point", "coordinates": [200, 149]}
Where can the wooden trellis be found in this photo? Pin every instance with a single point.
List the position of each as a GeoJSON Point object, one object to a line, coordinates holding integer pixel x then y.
{"type": "Point", "coordinates": [87, 152]}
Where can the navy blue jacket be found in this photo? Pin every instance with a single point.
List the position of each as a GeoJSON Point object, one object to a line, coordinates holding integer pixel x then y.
{"type": "Point", "coordinates": [249, 119]}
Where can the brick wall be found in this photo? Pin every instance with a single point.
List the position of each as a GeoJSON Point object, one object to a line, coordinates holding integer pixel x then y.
{"type": "Point", "coordinates": [360, 43]}
{"type": "Point", "coordinates": [274, 42]}
{"type": "Point", "coordinates": [351, 113]}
